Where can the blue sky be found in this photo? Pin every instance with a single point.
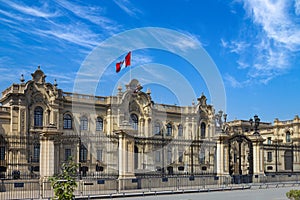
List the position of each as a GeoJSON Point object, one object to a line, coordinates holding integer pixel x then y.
{"type": "Point", "coordinates": [254, 44]}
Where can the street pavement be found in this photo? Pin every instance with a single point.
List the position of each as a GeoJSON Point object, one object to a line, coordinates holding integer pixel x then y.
{"type": "Point", "coordinates": [249, 194]}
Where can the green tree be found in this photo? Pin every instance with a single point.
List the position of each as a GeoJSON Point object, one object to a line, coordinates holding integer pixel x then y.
{"type": "Point", "coordinates": [64, 184]}
{"type": "Point", "coordinates": [293, 194]}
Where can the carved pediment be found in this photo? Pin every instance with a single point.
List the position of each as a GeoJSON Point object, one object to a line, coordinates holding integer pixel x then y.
{"type": "Point", "coordinates": [38, 76]}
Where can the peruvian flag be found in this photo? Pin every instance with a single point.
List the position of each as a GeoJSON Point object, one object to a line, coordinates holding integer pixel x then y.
{"type": "Point", "coordinates": [124, 63]}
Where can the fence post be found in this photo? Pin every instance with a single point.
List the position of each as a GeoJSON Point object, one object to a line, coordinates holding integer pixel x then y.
{"type": "Point", "coordinates": [41, 188]}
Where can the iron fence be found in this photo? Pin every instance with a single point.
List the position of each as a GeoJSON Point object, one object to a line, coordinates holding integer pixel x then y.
{"type": "Point", "coordinates": [93, 186]}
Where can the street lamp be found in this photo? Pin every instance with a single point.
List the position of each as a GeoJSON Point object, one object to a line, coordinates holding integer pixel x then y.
{"type": "Point", "coordinates": [79, 153]}
{"type": "Point", "coordinates": [256, 121]}
{"type": "Point", "coordinates": [163, 153]}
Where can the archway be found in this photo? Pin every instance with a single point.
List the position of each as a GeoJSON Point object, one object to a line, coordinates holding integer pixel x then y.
{"type": "Point", "coordinates": [240, 158]}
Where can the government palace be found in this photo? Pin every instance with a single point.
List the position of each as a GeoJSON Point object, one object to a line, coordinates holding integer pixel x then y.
{"type": "Point", "coordinates": [130, 135]}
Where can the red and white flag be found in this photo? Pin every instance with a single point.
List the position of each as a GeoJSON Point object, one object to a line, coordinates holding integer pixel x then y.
{"type": "Point", "coordinates": [125, 63]}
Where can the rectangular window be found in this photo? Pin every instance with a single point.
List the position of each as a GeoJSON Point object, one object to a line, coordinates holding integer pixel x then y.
{"type": "Point", "coordinates": [169, 130]}
{"type": "Point", "coordinates": [180, 156]}
{"type": "Point", "coordinates": [157, 129]}
{"type": "Point", "coordinates": [169, 156]}
{"type": "Point", "coordinates": [84, 123]}
{"type": "Point", "coordinates": [67, 154]}
{"type": "Point", "coordinates": [2, 153]}
{"type": "Point", "coordinates": [99, 155]}
{"type": "Point", "coordinates": [67, 121]}
{"type": "Point", "coordinates": [83, 154]}
{"type": "Point", "coordinates": [36, 153]}
{"type": "Point", "coordinates": [180, 130]}
{"type": "Point", "coordinates": [157, 156]}
{"type": "Point", "coordinates": [99, 125]}
{"type": "Point", "coordinates": [269, 157]}
{"type": "Point", "coordinates": [269, 140]}
{"type": "Point", "coordinates": [202, 156]}
{"type": "Point", "coordinates": [288, 137]}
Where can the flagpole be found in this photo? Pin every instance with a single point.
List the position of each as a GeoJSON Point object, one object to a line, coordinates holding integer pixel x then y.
{"type": "Point", "coordinates": [130, 70]}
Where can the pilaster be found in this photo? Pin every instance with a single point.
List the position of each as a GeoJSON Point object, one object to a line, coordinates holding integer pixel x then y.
{"type": "Point", "coordinates": [258, 154]}
{"type": "Point", "coordinates": [47, 151]}
{"type": "Point", "coordinates": [222, 154]}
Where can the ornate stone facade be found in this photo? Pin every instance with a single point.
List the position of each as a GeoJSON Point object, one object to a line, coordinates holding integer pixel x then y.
{"type": "Point", "coordinates": [41, 126]}
{"type": "Point", "coordinates": [128, 134]}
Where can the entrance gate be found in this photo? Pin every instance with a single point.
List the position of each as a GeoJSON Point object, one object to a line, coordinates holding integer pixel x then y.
{"type": "Point", "coordinates": [240, 158]}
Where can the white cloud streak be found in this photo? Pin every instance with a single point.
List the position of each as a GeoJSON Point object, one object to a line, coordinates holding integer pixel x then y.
{"type": "Point", "coordinates": [91, 13]}
{"type": "Point", "coordinates": [297, 7]}
{"type": "Point", "coordinates": [274, 18]}
{"type": "Point", "coordinates": [127, 7]}
{"type": "Point", "coordinates": [232, 81]}
{"type": "Point", "coordinates": [33, 11]}
{"type": "Point", "coordinates": [79, 37]}
{"type": "Point", "coordinates": [267, 47]}
{"type": "Point", "coordinates": [43, 22]}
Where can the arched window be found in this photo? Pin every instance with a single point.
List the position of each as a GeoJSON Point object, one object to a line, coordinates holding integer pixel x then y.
{"type": "Point", "coordinates": [67, 121]}
{"type": "Point", "coordinates": [99, 124]}
{"type": "Point", "coordinates": [157, 128]}
{"type": "Point", "coordinates": [38, 116]}
{"type": "Point", "coordinates": [288, 137]}
{"type": "Point", "coordinates": [202, 129]}
{"type": "Point", "coordinates": [180, 130]}
{"type": "Point", "coordinates": [134, 121]}
{"type": "Point", "coordinates": [169, 129]}
{"type": "Point", "coordinates": [83, 123]}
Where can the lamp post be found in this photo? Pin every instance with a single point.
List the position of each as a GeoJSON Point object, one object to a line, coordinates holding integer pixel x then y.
{"type": "Point", "coordinates": [163, 153]}
{"type": "Point", "coordinates": [192, 155]}
{"type": "Point", "coordinates": [256, 121]}
{"type": "Point", "coordinates": [79, 153]}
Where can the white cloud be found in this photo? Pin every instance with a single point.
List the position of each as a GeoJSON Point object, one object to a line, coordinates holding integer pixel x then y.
{"type": "Point", "coordinates": [90, 13]}
{"type": "Point", "coordinates": [127, 7]}
{"type": "Point", "coordinates": [297, 7]}
{"type": "Point", "coordinates": [43, 22]}
{"type": "Point", "coordinates": [242, 64]}
{"type": "Point", "coordinates": [77, 36]}
{"type": "Point", "coordinates": [266, 48]}
{"type": "Point", "coordinates": [224, 43]}
{"type": "Point", "coordinates": [140, 59]}
{"type": "Point", "coordinates": [33, 11]}
{"type": "Point", "coordinates": [13, 17]}
{"type": "Point", "coordinates": [235, 46]}
{"type": "Point", "coordinates": [232, 81]}
{"type": "Point", "coordinates": [275, 20]}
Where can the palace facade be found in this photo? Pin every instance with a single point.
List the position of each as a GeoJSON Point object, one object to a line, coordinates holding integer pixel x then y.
{"type": "Point", "coordinates": [129, 135]}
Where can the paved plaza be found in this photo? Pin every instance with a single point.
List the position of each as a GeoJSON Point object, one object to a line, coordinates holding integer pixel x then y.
{"type": "Point", "coordinates": [252, 194]}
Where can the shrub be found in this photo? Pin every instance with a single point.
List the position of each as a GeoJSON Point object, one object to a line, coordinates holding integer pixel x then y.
{"type": "Point", "coordinates": [64, 184]}
{"type": "Point", "coordinates": [293, 194]}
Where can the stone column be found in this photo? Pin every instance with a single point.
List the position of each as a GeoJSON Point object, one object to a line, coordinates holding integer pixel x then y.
{"type": "Point", "coordinates": [121, 159]}
{"type": "Point", "coordinates": [46, 157]}
{"type": "Point", "coordinates": [126, 161]}
{"type": "Point", "coordinates": [147, 127]}
{"type": "Point", "coordinates": [258, 156]}
{"type": "Point", "coordinates": [222, 154]}
{"type": "Point", "coordinates": [47, 151]}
